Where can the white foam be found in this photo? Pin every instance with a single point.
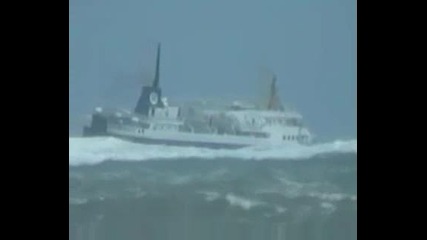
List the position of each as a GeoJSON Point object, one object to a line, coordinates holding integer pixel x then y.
{"type": "Point", "coordinates": [244, 203]}
{"type": "Point", "coordinates": [210, 196]}
{"type": "Point", "coordinates": [332, 197]}
{"type": "Point", "coordinates": [280, 209]}
{"type": "Point", "coordinates": [328, 208]}
{"type": "Point", "coordinates": [98, 149]}
{"type": "Point", "coordinates": [77, 201]}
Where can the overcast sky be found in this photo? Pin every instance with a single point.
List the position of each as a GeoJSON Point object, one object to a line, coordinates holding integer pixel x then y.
{"type": "Point", "coordinates": [214, 49]}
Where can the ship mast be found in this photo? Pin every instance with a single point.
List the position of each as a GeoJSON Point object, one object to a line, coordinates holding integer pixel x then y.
{"type": "Point", "coordinates": [157, 76]}
{"type": "Point", "coordinates": [274, 100]}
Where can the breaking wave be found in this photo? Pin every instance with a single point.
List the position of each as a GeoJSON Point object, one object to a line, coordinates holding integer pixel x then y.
{"type": "Point", "coordinates": [209, 195]}
{"type": "Point", "coordinates": [99, 149]}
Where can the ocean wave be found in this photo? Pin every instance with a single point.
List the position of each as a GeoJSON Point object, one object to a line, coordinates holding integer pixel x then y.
{"type": "Point", "coordinates": [83, 151]}
{"type": "Point", "coordinates": [242, 202]}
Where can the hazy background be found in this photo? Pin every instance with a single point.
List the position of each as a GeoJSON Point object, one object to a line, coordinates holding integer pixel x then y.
{"type": "Point", "coordinates": [213, 49]}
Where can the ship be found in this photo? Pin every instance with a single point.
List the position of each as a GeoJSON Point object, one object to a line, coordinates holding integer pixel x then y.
{"type": "Point", "coordinates": [154, 121]}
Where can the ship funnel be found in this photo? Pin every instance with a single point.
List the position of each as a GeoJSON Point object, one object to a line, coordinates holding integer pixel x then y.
{"type": "Point", "coordinates": [269, 97]}
{"type": "Point", "coordinates": [274, 100]}
{"type": "Point", "coordinates": [151, 95]}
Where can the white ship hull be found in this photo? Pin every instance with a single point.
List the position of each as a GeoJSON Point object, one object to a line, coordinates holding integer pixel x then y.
{"type": "Point", "coordinates": [205, 140]}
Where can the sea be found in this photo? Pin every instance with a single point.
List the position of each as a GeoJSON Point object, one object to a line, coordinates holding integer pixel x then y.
{"type": "Point", "coordinates": [125, 191]}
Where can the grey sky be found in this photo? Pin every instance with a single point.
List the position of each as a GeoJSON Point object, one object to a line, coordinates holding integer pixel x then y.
{"type": "Point", "coordinates": [215, 48]}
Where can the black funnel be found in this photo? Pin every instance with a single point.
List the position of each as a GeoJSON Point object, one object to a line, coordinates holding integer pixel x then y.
{"type": "Point", "coordinates": [151, 95]}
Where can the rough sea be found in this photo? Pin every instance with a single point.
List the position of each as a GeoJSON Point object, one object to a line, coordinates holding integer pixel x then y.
{"type": "Point", "coordinates": [125, 191]}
